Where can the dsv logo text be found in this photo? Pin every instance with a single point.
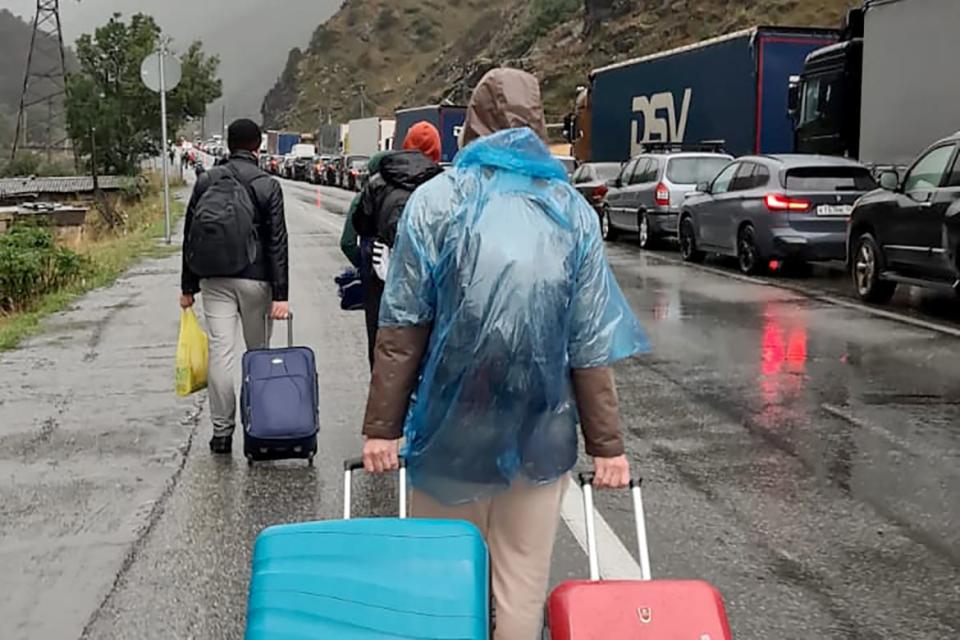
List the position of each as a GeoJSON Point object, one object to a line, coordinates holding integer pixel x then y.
{"type": "Point", "coordinates": [658, 117]}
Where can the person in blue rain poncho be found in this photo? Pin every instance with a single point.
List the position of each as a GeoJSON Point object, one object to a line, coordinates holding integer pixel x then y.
{"type": "Point", "coordinates": [499, 324]}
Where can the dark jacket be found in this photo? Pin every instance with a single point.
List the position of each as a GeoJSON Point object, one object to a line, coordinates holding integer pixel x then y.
{"type": "Point", "coordinates": [272, 263]}
{"type": "Point", "coordinates": [348, 237]}
{"type": "Point", "coordinates": [385, 196]}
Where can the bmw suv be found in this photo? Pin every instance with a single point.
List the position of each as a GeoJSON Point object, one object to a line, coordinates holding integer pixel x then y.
{"type": "Point", "coordinates": [908, 232]}
{"type": "Point", "coordinates": [647, 195]}
{"type": "Point", "coordinates": [764, 210]}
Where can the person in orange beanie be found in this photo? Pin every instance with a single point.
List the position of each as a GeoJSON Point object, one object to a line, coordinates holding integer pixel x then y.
{"type": "Point", "coordinates": [425, 138]}
{"type": "Point", "coordinates": [381, 206]}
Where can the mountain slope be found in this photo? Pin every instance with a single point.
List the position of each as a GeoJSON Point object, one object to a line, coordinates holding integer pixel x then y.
{"type": "Point", "coordinates": [376, 55]}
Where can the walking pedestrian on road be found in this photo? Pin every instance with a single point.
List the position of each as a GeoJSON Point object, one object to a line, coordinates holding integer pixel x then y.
{"type": "Point", "coordinates": [349, 240]}
{"type": "Point", "coordinates": [381, 205]}
{"type": "Point", "coordinates": [499, 324]}
{"type": "Point", "coordinates": [235, 255]}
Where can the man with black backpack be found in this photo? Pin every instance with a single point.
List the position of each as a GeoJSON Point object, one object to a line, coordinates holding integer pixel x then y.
{"type": "Point", "coordinates": [380, 208]}
{"type": "Point", "coordinates": [235, 254]}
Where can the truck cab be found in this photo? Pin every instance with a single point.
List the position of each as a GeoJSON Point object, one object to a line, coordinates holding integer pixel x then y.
{"type": "Point", "coordinates": [825, 101]}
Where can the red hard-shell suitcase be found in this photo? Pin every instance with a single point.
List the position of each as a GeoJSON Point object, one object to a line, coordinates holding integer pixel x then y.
{"type": "Point", "coordinates": [633, 609]}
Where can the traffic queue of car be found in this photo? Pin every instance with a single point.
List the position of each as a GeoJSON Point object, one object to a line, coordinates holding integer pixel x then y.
{"type": "Point", "coordinates": [768, 211]}
{"type": "Point", "coordinates": [345, 172]}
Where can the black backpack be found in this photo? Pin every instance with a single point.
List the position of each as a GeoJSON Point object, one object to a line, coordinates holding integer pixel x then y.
{"type": "Point", "coordinates": [223, 234]}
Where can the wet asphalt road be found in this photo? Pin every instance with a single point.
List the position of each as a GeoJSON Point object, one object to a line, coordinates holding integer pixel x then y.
{"type": "Point", "coordinates": [802, 456]}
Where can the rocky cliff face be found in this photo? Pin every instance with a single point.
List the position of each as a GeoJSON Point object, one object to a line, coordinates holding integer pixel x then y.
{"type": "Point", "coordinates": [374, 56]}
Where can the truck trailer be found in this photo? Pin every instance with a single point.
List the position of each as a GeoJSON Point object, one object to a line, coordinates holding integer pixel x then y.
{"type": "Point", "coordinates": [279, 143]}
{"type": "Point", "coordinates": [732, 88]}
{"type": "Point", "coordinates": [447, 119]}
{"type": "Point", "coordinates": [365, 136]}
{"type": "Point", "coordinates": [888, 89]}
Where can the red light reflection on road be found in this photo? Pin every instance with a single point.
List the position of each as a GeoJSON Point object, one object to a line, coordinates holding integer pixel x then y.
{"type": "Point", "coordinates": [783, 360]}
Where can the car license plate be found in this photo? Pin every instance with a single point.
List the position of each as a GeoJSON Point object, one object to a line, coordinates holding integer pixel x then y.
{"type": "Point", "coordinates": [834, 210]}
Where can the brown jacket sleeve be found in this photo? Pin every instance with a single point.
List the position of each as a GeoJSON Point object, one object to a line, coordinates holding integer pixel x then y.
{"type": "Point", "coordinates": [599, 408]}
{"type": "Point", "coordinates": [396, 366]}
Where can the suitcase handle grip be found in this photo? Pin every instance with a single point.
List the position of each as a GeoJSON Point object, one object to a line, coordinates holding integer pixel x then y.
{"type": "Point", "coordinates": [586, 484]}
{"type": "Point", "coordinates": [586, 478]}
{"type": "Point", "coordinates": [356, 464]}
{"type": "Point", "coordinates": [289, 321]}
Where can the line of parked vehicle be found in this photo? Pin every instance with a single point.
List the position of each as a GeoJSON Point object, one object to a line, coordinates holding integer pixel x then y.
{"type": "Point", "coordinates": [768, 211]}
{"type": "Point", "coordinates": [346, 172]}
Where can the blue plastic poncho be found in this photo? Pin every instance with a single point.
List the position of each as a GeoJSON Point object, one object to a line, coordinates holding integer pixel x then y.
{"type": "Point", "coordinates": [505, 260]}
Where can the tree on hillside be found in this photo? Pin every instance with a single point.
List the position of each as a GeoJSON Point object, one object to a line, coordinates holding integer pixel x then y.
{"type": "Point", "coordinates": [108, 96]}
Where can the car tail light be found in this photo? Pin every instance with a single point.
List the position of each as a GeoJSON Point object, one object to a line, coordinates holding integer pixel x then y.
{"type": "Point", "coordinates": [780, 202]}
{"type": "Point", "coordinates": [599, 193]}
{"type": "Point", "coordinates": [354, 173]}
{"type": "Point", "coordinates": [662, 196]}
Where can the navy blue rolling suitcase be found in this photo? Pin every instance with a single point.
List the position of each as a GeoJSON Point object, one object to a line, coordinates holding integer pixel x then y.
{"type": "Point", "coordinates": [279, 402]}
{"type": "Point", "coordinates": [374, 579]}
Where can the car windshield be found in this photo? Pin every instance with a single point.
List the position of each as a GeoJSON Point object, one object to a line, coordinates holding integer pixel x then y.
{"type": "Point", "coordinates": [358, 163]}
{"type": "Point", "coordinates": [695, 170]}
{"type": "Point", "coordinates": [607, 171]}
{"type": "Point", "coordinates": [830, 179]}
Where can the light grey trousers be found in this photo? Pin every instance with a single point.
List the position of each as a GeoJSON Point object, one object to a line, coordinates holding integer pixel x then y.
{"type": "Point", "coordinates": [232, 305]}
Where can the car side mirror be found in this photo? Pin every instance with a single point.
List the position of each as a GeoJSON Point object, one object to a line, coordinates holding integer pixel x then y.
{"type": "Point", "coordinates": [703, 187]}
{"type": "Point", "coordinates": [890, 180]}
{"type": "Point", "coordinates": [793, 96]}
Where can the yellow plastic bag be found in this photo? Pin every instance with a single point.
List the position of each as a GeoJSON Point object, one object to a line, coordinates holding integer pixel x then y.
{"type": "Point", "coordinates": [191, 355]}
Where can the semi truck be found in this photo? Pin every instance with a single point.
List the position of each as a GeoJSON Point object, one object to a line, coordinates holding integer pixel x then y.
{"type": "Point", "coordinates": [280, 143]}
{"type": "Point", "coordinates": [732, 88]}
{"type": "Point", "coordinates": [887, 90]}
{"type": "Point", "coordinates": [447, 119]}
{"type": "Point", "coordinates": [366, 136]}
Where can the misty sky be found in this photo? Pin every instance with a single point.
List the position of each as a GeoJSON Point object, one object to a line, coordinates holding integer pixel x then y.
{"type": "Point", "coordinates": [252, 37]}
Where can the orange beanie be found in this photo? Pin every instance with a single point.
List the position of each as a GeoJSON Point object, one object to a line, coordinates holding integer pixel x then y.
{"type": "Point", "coordinates": [425, 138]}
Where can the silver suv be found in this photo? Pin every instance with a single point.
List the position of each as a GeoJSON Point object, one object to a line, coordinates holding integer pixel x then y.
{"type": "Point", "coordinates": [647, 196]}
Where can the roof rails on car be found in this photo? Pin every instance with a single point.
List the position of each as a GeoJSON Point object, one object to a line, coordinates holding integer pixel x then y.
{"type": "Point", "coordinates": [707, 146]}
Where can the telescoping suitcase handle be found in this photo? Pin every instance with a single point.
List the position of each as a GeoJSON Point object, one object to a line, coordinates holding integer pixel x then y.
{"type": "Point", "coordinates": [586, 484]}
{"type": "Point", "coordinates": [289, 327]}
{"type": "Point", "coordinates": [356, 464]}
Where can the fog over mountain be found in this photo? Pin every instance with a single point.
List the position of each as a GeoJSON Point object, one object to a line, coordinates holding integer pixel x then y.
{"type": "Point", "coordinates": [252, 37]}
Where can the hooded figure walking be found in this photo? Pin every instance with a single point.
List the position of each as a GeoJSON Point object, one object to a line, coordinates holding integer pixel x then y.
{"type": "Point", "coordinates": [381, 205]}
{"type": "Point", "coordinates": [499, 323]}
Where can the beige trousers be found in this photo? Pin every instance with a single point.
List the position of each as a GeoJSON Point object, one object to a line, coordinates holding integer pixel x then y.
{"type": "Point", "coordinates": [520, 526]}
{"type": "Point", "coordinates": [234, 310]}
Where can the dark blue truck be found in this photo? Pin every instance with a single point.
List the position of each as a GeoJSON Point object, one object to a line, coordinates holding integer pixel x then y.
{"type": "Point", "coordinates": [447, 119]}
{"type": "Point", "coordinates": [732, 88]}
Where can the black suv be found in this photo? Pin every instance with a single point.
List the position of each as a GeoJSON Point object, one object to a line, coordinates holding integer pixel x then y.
{"type": "Point", "coordinates": [908, 232]}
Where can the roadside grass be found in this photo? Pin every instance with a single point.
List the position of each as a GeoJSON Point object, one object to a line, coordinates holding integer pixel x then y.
{"type": "Point", "coordinates": [108, 256]}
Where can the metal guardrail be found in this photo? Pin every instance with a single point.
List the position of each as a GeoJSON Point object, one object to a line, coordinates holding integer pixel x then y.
{"type": "Point", "coordinates": [72, 184]}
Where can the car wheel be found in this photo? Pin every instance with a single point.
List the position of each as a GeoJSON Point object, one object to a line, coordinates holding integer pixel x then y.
{"type": "Point", "coordinates": [748, 256]}
{"type": "Point", "coordinates": [606, 227]}
{"type": "Point", "coordinates": [647, 238]}
{"type": "Point", "coordinates": [868, 264]}
{"type": "Point", "coordinates": [688, 242]}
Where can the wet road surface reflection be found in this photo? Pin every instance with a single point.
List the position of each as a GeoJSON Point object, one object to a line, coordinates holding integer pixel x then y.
{"type": "Point", "coordinates": [823, 440]}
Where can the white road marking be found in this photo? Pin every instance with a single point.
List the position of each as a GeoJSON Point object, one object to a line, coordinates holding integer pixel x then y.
{"type": "Point", "coordinates": [815, 295]}
{"type": "Point", "coordinates": [616, 562]}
